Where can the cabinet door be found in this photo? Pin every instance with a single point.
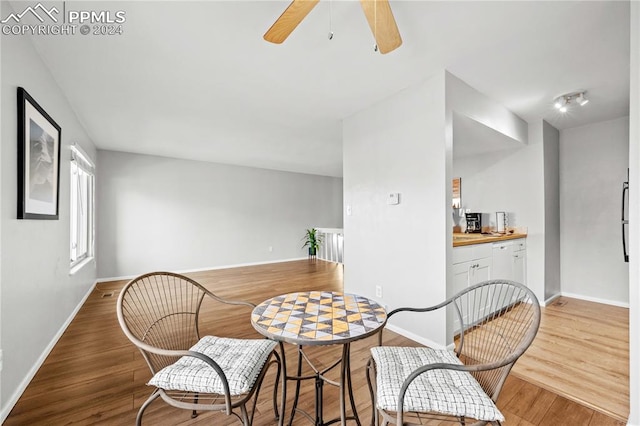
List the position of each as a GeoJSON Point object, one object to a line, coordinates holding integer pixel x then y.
{"type": "Point", "coordinates": [461, 273]}
{"type": "Point", "coordinates": [480, 271]}
{"type": "Point", "coordinates": [520, 267]}
{"type": "Point", "coordinates": [502, 265]}
{"type": "Point", "coordinates": [466, 274]}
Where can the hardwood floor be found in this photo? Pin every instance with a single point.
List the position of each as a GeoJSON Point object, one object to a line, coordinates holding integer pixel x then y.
{"type": "Point", "coordinates": [94, 375]}
{"type": "Point", "coordinates": [582, 351]}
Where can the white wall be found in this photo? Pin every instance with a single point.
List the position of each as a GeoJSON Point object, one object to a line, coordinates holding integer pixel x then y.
{"type": "Point", "coordinates": [398, 145]}
{"type": "Point", "coordinates": [404, 144]}
{"type": "Point", "coordinates": [634, 217]}
{"type": "Point", "coordinates": [583, 170]}
{"type": "Point", "coordinates": [593, 165]}
{"type": "Point", "coordinates": [38, 294]}
{"type": "Point", "coordinates": [465, 100]}
{"type": "Point", "coordinates": [551, 154]}
{"type": "Point", "coordinates": [157, 213]}
{"type": "Point", "coordinates": [509, 180]}
{"type": "Point", "coordinates": [490, 183]}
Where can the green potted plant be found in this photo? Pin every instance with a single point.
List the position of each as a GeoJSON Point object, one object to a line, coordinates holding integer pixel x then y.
{"type": "Point", "coordinates": [312, 240]}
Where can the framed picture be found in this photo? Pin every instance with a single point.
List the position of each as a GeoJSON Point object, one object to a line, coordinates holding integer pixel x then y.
{"type": "Point", "coordinates": [38, 160]}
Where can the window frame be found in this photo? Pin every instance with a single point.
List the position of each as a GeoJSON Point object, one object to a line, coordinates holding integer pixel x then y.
{"type": "Point", "coordinates": [81, 162]}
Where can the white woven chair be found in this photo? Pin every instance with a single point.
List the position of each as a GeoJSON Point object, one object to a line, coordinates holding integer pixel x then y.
{"type": "Point", "coordinates": [159, 313]}
{"type": "Point", "coordinates": [497, 322]}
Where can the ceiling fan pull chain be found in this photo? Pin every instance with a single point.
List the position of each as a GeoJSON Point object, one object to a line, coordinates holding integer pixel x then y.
{"type": "Point", "coordinates": [375, 25]}
{"type": "Point", "coordinates": [330, 24]}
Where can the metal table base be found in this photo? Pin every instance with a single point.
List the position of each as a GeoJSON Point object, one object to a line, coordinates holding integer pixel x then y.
{"type": "Point", "coordinates": [345, 385]}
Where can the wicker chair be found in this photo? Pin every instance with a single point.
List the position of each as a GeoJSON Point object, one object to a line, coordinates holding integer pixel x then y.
{"type": "Point", "coordinates": [159, 313]}
{"type": "Point", "coordinates": [495, 322]}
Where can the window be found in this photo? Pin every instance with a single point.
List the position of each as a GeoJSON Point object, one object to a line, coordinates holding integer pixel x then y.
{"type": "Point", "coordinates": [82, 207]}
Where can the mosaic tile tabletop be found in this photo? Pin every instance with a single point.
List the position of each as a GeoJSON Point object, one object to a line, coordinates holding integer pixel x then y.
{"type": "Point", "coordinates": [318, 318]}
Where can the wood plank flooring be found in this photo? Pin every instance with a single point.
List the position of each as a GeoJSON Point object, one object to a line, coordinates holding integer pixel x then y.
{"type": "Point", "coordinates": [94, 375]}
{"type": "Point", "coordinates": [582, 351]}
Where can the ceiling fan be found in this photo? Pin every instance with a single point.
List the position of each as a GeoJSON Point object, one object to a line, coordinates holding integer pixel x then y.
{"type": "Point", "coordinates": [378, 13]}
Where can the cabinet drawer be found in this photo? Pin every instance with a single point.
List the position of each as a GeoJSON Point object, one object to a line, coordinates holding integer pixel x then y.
{"type": "Point", "coordinates": [462, 254]}
{"type": "Point", "coordinates": [482, 250]}
{"type": "Point", "coordinates": [472, 252]}
{"type": "Point", "coordinates": [504, 246]}
{"type": "Point", "coordinates": [519, 245]}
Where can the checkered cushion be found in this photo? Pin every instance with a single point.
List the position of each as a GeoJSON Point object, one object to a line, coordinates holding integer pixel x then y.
{"type": "Point", "coordinates": [442, 391]}
{"type": "Point", "coordinates": [241, 361]}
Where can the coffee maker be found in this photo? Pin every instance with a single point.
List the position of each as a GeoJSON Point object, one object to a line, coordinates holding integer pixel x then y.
{"type": "Point", "coordinates": [474, 223]}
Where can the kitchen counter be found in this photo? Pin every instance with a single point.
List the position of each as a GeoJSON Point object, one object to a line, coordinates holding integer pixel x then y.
{"type": "Point", "coordinates": [462, 239]}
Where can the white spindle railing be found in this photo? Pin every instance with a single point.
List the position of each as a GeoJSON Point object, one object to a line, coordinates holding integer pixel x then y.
{"type": "Point", "coordinates": [331, 248]}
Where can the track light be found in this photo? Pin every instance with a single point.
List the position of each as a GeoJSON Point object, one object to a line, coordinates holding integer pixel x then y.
{"type": "Point", "coordinates": [561, 103]}
{"type": "Point", "coordinates": [581, 99]}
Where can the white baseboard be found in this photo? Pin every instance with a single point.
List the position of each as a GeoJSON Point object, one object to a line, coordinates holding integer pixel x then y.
{"type": "Point", "coordinates": [550, 300]}
{"type": "Point", "coordinates": [11, 402]}
{"type": "Point", "coordinates": [596, 299]}
{"type": "Point", "coordinates": [209, 268]}
{"type": "Point", "coordinates": [414, 337]}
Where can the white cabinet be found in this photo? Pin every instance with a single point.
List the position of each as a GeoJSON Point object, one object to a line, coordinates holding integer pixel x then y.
{"type": "Point", "coordinates": [502, 260]}
{"type": "Point", "coordinates": [481, 262]}
{"type": "Point", "coordinates": [520, 263]}
{"type": "Point", "coordinates": [460, 277]}
{"type": "Point", "coordinates": [472, 264]}
{"type": "Point", "coordinates": [509, 260]}
{"type": "Point", "coordinates": [480, 271]}
{"type": "Point", "coordinates": [468, 273]}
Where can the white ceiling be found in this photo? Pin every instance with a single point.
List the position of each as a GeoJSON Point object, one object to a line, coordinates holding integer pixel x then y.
{"type": "Point", "coordinates": [196, 80]}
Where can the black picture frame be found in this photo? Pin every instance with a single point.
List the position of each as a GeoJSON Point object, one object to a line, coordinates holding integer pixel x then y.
{"type": "Point", "coordinates": [39, 142]}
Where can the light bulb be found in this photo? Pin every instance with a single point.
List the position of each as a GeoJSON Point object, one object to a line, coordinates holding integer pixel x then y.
{"type": "Point", "coordinates": [560, 103]}
{"type": "Point", "coordinates": [563, 108]}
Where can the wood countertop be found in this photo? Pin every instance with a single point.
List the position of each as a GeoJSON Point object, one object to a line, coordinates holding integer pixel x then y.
{"type": "Point", "coordinates": [462, 239]}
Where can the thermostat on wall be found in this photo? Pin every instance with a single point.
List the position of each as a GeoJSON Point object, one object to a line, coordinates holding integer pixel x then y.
{"type": "Point", "coordinates": [394, 198]}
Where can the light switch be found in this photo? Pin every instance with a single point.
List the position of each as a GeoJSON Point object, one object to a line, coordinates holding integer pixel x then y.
{"type": "Point", "coordinates": [348, 209]}
{"type": "Point", "coordinates": [394, 198]}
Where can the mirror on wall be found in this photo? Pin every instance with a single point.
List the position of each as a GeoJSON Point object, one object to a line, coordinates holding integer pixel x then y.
{"type": "Point", "coordinates": [456, 202]}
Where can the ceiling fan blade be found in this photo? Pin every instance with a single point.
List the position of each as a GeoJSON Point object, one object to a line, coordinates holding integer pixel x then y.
{"type": "Point", "coordinates": [385, 31]}
{"type": "Point", "coordinates": [289, 20]}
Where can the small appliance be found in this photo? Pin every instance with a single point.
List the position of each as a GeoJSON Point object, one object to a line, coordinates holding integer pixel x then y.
{"type": "Point", "coordinates": [474, 223]}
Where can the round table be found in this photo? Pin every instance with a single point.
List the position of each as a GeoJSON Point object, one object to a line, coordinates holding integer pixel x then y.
{"type": "Point", "coordinates": [320, 318]}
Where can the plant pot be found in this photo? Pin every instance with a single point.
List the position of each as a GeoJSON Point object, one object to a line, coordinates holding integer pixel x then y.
{"type": "Point", "coordinates": [312, 252]}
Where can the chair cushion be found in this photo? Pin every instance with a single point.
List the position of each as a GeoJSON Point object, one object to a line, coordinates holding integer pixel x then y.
{"type": "Point", "coordinates": [449, 392]}
{"type": "Point", "coordinates": [241, 361]}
